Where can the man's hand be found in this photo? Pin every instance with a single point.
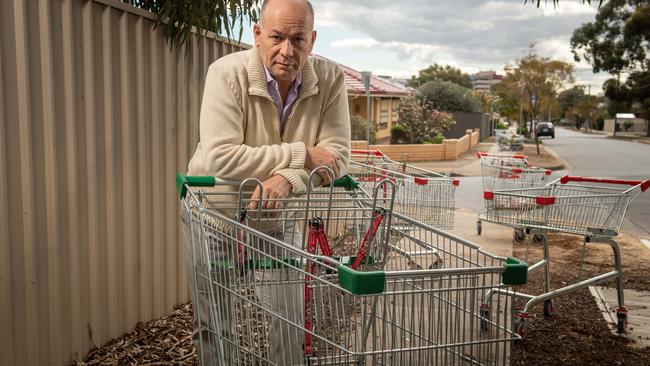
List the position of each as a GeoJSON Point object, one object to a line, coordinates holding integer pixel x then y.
{"type": "Point", "coordinates": [318, 156]}
{"type": "Point", "coordinates": [276, 187]}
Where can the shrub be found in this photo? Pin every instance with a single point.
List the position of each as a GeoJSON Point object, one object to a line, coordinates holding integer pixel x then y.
{"type": "Point", "coordinates": [599, 124]}
{"type": "Point", "coordinates": [627, 125]}
{"type": "Point", "coordinates": [398, 134]}
{"type": "Point", "coordinates": [438, 139]}
{"type": "Point", "coordinates": [522, 130]}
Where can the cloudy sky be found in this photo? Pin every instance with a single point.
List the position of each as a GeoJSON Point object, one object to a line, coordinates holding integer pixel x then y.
{"type": "Point", "coordinates": [398, 38]}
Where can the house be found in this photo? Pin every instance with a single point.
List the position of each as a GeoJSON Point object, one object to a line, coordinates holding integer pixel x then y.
{"type": "Point", "coordinates": [626, 122]}
{"type": "Point", "coordinates": [484, 80]}
{"type": "Point", "coordinates": [385, 97]}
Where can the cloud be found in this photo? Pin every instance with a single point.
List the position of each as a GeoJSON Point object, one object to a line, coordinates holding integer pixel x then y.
{"type": "Point", "coordinates": [471, 34]}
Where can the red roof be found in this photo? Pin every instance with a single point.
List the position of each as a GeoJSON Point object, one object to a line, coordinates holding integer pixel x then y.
{"type": "Point", "coordinates": [354, 83]}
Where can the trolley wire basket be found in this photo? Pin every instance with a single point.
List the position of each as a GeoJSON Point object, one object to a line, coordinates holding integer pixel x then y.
{"type": "Point", "coordinates": [423, 195]}
{"type": "Point", "coordinates": [499, 172]}
{"type": "Point", "coordinates": [428, 307]}
{"type": "Point", "coordinates": [593, 208]}
{"type": "Point", "coordinates": [517, 160]}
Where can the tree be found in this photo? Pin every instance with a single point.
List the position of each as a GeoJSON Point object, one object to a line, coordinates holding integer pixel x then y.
{"type": "Point", "coordinates": [359, 132]}
{"type": "Point", "coordinates": [568, 98]}
{"type": "Point", "coordinates": [584, 110]}
{"type": "Point", "coordinates": [535, 80]}
{"type": "Point", "coordinates": [421, 121]}
{"type": "Point", "coordinates": [618, 42]}
{"type": "Point", "coordinates": [509, 95]}
{"type": "Point", "coordinates": [178, 17]}
{"type": "Point", "coordinates": [439, 72]}
{"type": "Point", "coordinates": [448, 96]}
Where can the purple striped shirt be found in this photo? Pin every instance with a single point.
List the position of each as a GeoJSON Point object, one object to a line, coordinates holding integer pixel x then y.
{"type": "Point", "coordinates": [284, 109]}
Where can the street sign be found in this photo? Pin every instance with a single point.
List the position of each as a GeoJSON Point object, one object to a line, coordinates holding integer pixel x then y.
{"type": "Point", "coordinates": [365, 75]}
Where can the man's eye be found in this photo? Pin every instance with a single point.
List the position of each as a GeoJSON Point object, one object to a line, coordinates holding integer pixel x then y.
{"type": "Point", "coordinates": [275, 38]}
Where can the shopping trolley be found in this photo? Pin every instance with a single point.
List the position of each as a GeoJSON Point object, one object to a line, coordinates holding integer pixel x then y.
{"type": "Point", "coordinates": [517, 160]}
{"type": "Point", "coordinates": [501, 171]}
{"type": "Point", "coordinates": [593, 208]}
{"type": "Point", "coordinates": [423, 195]}
{"type": "Point", "coordinates": [400, 312]}
{"type": "Point", "coordinates": [508, 140]}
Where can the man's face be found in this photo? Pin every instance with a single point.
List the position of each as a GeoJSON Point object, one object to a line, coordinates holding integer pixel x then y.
{"type": "Point", "coordinates": [285, 39]}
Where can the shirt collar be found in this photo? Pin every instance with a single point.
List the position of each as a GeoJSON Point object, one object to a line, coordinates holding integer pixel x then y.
{"type": "Point", "coordinates": [270, 79]}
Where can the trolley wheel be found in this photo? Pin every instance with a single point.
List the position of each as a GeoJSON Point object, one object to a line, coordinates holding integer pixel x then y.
{"type": "Point", "coordinates": [479, 228]}
{"type": "Point", "coordinates": [485, 317]}
{"type": "Point", "coordinates": [520, 325]}
{"type": "Point", "coordinates": [548, 308]}
{"type": "Point", "coordinates": [538, 238]}
{"type": "Point", "coordinates": [621, 317]}
{"type": "Point", "coordinates": [519, 236]}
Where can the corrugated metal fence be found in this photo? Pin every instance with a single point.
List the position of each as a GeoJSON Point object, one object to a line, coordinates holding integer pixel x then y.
{"type": "Point", "coordinates": [97, 116]}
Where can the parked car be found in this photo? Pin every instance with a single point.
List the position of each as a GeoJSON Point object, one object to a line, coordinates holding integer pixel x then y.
{"type": "Point", "coordinates": [545, 129]}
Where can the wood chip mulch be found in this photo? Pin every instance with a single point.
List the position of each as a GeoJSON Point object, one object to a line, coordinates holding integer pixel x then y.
{"type": "Point", "coordinates": [164, 341]}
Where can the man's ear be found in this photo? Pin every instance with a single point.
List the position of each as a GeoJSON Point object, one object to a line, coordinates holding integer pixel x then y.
{"type": "Point", "coordinates": [257, 34]}
{"type": "Point", "coordinates": [313, 40]}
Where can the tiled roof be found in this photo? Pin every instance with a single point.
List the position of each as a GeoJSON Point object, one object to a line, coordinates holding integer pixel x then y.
{"type": "Point", "coordinates": [354, 83]}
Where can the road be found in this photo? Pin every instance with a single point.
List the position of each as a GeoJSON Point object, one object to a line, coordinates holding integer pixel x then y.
{"type": "Point", "coordinates": [587, 155]}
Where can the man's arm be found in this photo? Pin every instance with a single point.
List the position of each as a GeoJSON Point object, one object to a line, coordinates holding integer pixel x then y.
{"type": "Point", "coordinates": [222, 136]}
{"type": "Point", "coordinates": [334, 135]}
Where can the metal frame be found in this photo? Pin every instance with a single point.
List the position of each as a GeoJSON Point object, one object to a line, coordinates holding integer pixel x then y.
{"type": "Point", "coordinates": [567, 205]}
{"type": "Point", "coordinates": [423, 195]}
{"type": "Point", "coordinates": [422, 308]}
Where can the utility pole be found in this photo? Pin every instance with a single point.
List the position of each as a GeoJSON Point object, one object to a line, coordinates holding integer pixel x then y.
{"type": "Point", "coordinates": [618, 91]}
{"type": "Point", "coordinates": [521, 105]}
{"type": "Point", "coordinates": [365, 75]}
{"type": "Point", "coordinates": [588, 125]}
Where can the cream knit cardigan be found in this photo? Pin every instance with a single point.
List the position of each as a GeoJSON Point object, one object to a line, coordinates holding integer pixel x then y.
{"type": "Point", "coordinates": [239, 133]}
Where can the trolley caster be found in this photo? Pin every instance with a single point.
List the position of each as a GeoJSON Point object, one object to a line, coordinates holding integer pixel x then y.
{"type": "Point", "coordinates": [519, 236]}
{"type": "Point", "coordinates": [621, 317]}
{"type": "Point", "coordinates": [520, 324]}
{"type": "Point", "coordinates": [548, 308]}
{"type": "Point", "coordinates": [538, 238]}
{"type": "Point", "coordinates": [485, 317]}
{"type": "Point", "coordinates": [479, 228]}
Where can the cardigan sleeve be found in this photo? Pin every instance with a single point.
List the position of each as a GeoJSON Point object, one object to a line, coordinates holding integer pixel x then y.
{"type": "Point", "coordinates": [221, 134]}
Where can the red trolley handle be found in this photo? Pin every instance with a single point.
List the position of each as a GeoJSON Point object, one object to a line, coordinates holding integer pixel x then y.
{"type": "Point", "coordinates": [378, 217]}
{"type": "Point", "coordinates": [645, 184]}
{"type": "Point", "coordinates": [367, 152]}
{"type": "Point", "coordinates": [484, 154]}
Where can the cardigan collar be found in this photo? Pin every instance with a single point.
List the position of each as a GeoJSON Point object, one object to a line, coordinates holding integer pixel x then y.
{"type": "Point", "coordinates": [257, 84]}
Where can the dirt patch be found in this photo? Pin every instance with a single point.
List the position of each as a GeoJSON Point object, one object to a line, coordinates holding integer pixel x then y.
{"type": "Point", "coordinates": [543, 160]}
{"type": "Point", "coordinates": [577, 332]}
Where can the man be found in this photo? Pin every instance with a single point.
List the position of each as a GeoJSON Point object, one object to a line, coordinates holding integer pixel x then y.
{"type": "Point", "coordinates": [273, 113]}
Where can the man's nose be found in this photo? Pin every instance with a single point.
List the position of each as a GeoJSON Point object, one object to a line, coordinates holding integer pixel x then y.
{"type": "Point", "coordinates": [286, 50]}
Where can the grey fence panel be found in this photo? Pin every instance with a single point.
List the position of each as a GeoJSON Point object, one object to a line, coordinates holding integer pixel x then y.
{"type": "Point", "coordinates": [98, 113]}
{"type": "Point", "coordinates": [470, 121]}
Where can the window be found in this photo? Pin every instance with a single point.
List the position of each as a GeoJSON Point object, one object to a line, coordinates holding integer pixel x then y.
{"type": "Point", "coordinates": [357, 108]}
{"type": "Point", "coordinates": [383, 115]}
{"type": "Point", "coordinates": [394, 117]}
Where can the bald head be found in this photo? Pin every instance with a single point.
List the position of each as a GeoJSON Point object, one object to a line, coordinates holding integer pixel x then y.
{"type": "Point", "coordinates": [285, 37]}
{"type": "Point", "coordinates": [293, 6]}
